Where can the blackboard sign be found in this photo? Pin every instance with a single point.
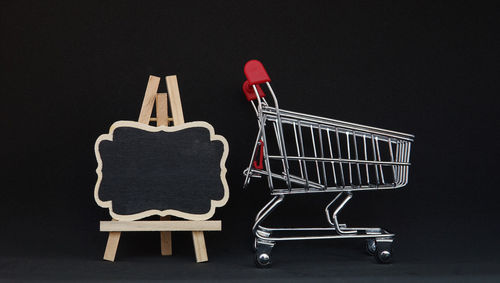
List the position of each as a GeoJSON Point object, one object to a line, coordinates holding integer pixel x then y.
{"type": "Point", "coordinates": [144, 170]}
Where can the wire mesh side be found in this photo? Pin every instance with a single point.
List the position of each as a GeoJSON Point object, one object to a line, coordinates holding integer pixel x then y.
{"type": "Point", "coordinates": [332, 157]}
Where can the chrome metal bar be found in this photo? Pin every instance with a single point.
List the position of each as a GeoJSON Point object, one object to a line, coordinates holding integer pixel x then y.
{"type": "Point", "coordinates": [259, 105]}
{"type": "Point", "coordinates": [298, 149]}
{"type": "Point", "coordinates": [341, 130]}
{"type": "Point", "coordinates": [254, 108]}
{"type": "Point", "coordinates": [278, 139]}
{"type": "Point", "coordinates": [296, 191]}
{"type": "Point", "coordinates": [364, 230]}
{"type": "Point", "coordinates": [339, 123]}
{"type": "Point", "coordinates": [266, 210]}
{"type": "Point", "coordinates": [357, 157]}
{"type": "Point", "coordinates": [375, 159]}
{"type": "Point", "coordinates": [247, 177]}
{"type": "Point", "coordinates": [322, 156]}
{"type": "Point", "coordinates": [398, 168]}
{"type": "Point", "coordinates": [266, 154]}
{"type": "Point", "coordinates": [294, 179]}
{"type": "Point", "coordinates": [315, 187]}
{"type": "Point", "coordinates": [340, 157]}
{"type": "Point", "coordinates": [344, 226]}
{"type": "Point", "coordinates": [327, 209]}
{"type": "Point", "coordinates": [379, 159]}
{"type": "Point", "coordinates": [327, 237]}
{"type": "Point", "coordinates": [331, 155]}
{"type": "Point", "coordinates": [407, 160]}
{"type": "Point", "coordinates": [315, 154]}
{"type": "Point", "coordinates": [366, 158]}
{"type": "Point", "coordinates": [333, 220]}
{"type": "Point", "coordinates": [392, 159]}
{"type": "Point", "coordinates": [400, 158]}
{"type": "Point", "coordinates": [278, 117]}
{"type": "Point", "coordinates": [349, 157]}
{"type": "Point", "coordinates": [303, 161]}
{"type": "Point", "coordinates": [355, 161]}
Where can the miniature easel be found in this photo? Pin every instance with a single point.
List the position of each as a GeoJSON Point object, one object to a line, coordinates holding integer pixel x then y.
{"type": "Point", "coordinates": [165, 225]}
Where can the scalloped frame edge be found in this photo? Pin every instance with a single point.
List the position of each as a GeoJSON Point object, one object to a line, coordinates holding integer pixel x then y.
{"type": "Point", "coordinates": [189, 216]}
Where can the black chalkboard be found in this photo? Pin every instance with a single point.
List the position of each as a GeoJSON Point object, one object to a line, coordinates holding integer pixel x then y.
{"type": "Point", "coordinates": [145, 170]}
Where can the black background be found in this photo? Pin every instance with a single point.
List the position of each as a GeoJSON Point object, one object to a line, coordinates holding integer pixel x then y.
{"type": "Point", "coordinates": [69, 70]}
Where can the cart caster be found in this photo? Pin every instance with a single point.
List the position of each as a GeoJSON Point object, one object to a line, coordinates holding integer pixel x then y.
{"type": "Point", "coordinates": [371, 247]}
{"type": "Point", "coordinates": [384, 251]}
{"type": "Point", "coordinates": [263, 255]}
{"type": "Point", "coordinates": [262, 260]}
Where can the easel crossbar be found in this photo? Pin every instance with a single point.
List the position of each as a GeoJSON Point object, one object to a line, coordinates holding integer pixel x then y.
{"type": "Point", "coordinates": [177, 225]}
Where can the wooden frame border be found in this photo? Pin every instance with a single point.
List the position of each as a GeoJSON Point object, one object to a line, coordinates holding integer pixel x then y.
{"type": "Point", "coordinates": [173, 212]}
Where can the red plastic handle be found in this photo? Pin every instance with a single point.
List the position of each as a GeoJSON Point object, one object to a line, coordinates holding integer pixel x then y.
{"type": "Point", "coordinates": [255, 72]}
{"type": "Point", "coordinates": [250, 93]}
{"type": "Point", "coordinates": [258, 164]}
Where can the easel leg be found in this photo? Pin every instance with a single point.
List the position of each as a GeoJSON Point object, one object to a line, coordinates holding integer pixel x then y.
{"type": "Point", "coordinates": [199, 246]}
{"type": "Point", "coordinates": [112, 246]}
{"type": "Point", "coordinates": [166, 239]}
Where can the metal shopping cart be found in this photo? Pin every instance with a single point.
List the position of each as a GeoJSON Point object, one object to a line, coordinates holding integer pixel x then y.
{"type": "Point", "coordinates": [299, 153]}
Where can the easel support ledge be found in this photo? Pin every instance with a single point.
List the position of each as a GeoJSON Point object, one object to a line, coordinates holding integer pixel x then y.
{"type": "Point", "coordinates": [177, 225]}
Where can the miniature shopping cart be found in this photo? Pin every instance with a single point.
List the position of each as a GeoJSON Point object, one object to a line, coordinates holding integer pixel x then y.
{"type": "Point", "coordinates": [299, 153]}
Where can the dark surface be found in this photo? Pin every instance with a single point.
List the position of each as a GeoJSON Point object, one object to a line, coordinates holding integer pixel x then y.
{"type": "Point", "coordinates": [311, 261]}
{"type": "Point", "coordinates": [144, 170]}
{"type": "Point", "coordinates": [428, 68]}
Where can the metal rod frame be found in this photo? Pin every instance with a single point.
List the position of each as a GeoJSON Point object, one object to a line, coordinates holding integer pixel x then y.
{"type": "Point", "coordinates": [395, 156]}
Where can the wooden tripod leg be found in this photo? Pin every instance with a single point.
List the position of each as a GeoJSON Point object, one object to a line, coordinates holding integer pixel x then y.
{"type": "Point", "coordinates": [162, 120]}
{"type": "Point", "coordinates": [112, 246]}
{"type": "Point", "coordinates": [166, 239]}
{"type": "Point", "coordinates": [199, 246]}
{"type": "Point", "coordinates": [149, 100]}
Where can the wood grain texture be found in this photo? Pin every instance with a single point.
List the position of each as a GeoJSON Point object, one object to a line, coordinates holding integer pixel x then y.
{"type": "Point", "coordinates": [149, 99]}
{"type": "Point", "coordinates": [112, 245]}
{"type": "Point", "coordinates": [200, 248]}
{"type": "Point", "coordinates": [175, 100]}
{"type": "Point", "coordinates": [162, 109]}
{"type": "Point", "coordinates": [162, 120]}
{"type": "Point", "coordinates": [176, 225]}
{"type": "Point", "coordinates": [166, 239]}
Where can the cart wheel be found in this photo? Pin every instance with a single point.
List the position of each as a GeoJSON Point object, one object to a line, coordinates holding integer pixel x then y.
{"type": "Point", "coordinates": [371, 246]}
{"type": "Point", "coordinates": [384, 252]}
{"type": "Point", "coordinates": [262, 260]}
{"type": "Point", "coordinates": [263, 255]}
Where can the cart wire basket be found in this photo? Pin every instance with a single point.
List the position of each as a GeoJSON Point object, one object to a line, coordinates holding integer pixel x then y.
{"type": "Point", "coordinates": [300, 153]}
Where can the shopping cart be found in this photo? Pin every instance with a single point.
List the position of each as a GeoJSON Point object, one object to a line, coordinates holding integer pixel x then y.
{"type": "Point", "coordinates": [300, 153]}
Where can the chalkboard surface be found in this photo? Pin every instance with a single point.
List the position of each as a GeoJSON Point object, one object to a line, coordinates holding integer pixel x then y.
{"type": "Point", "coordinates": [144, 170]}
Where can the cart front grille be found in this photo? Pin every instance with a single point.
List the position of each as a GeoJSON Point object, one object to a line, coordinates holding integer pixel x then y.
{"type": "Point", "coordinates": [305, 153]}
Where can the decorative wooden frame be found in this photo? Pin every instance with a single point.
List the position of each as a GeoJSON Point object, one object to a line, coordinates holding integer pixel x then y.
{"type": "Point", "coordinates": [165, 225]}
{"type": "Point", "coordinates": [189, 216]}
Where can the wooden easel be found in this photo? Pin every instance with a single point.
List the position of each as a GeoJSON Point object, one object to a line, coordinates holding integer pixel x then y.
{"type": "Point", "coordinates": [165, 225]}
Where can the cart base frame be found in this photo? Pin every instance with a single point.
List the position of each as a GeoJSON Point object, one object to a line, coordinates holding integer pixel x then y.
{"type": "Point", "coordinates": [378, 241]}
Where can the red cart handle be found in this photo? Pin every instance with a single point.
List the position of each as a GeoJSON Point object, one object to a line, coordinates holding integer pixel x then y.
{"type": "Point", "coordinates": [255, 72]}
{"type": "Point", "coordinates": [256, 75]}
{"type": "Point", "coordinates": [250, 93]}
